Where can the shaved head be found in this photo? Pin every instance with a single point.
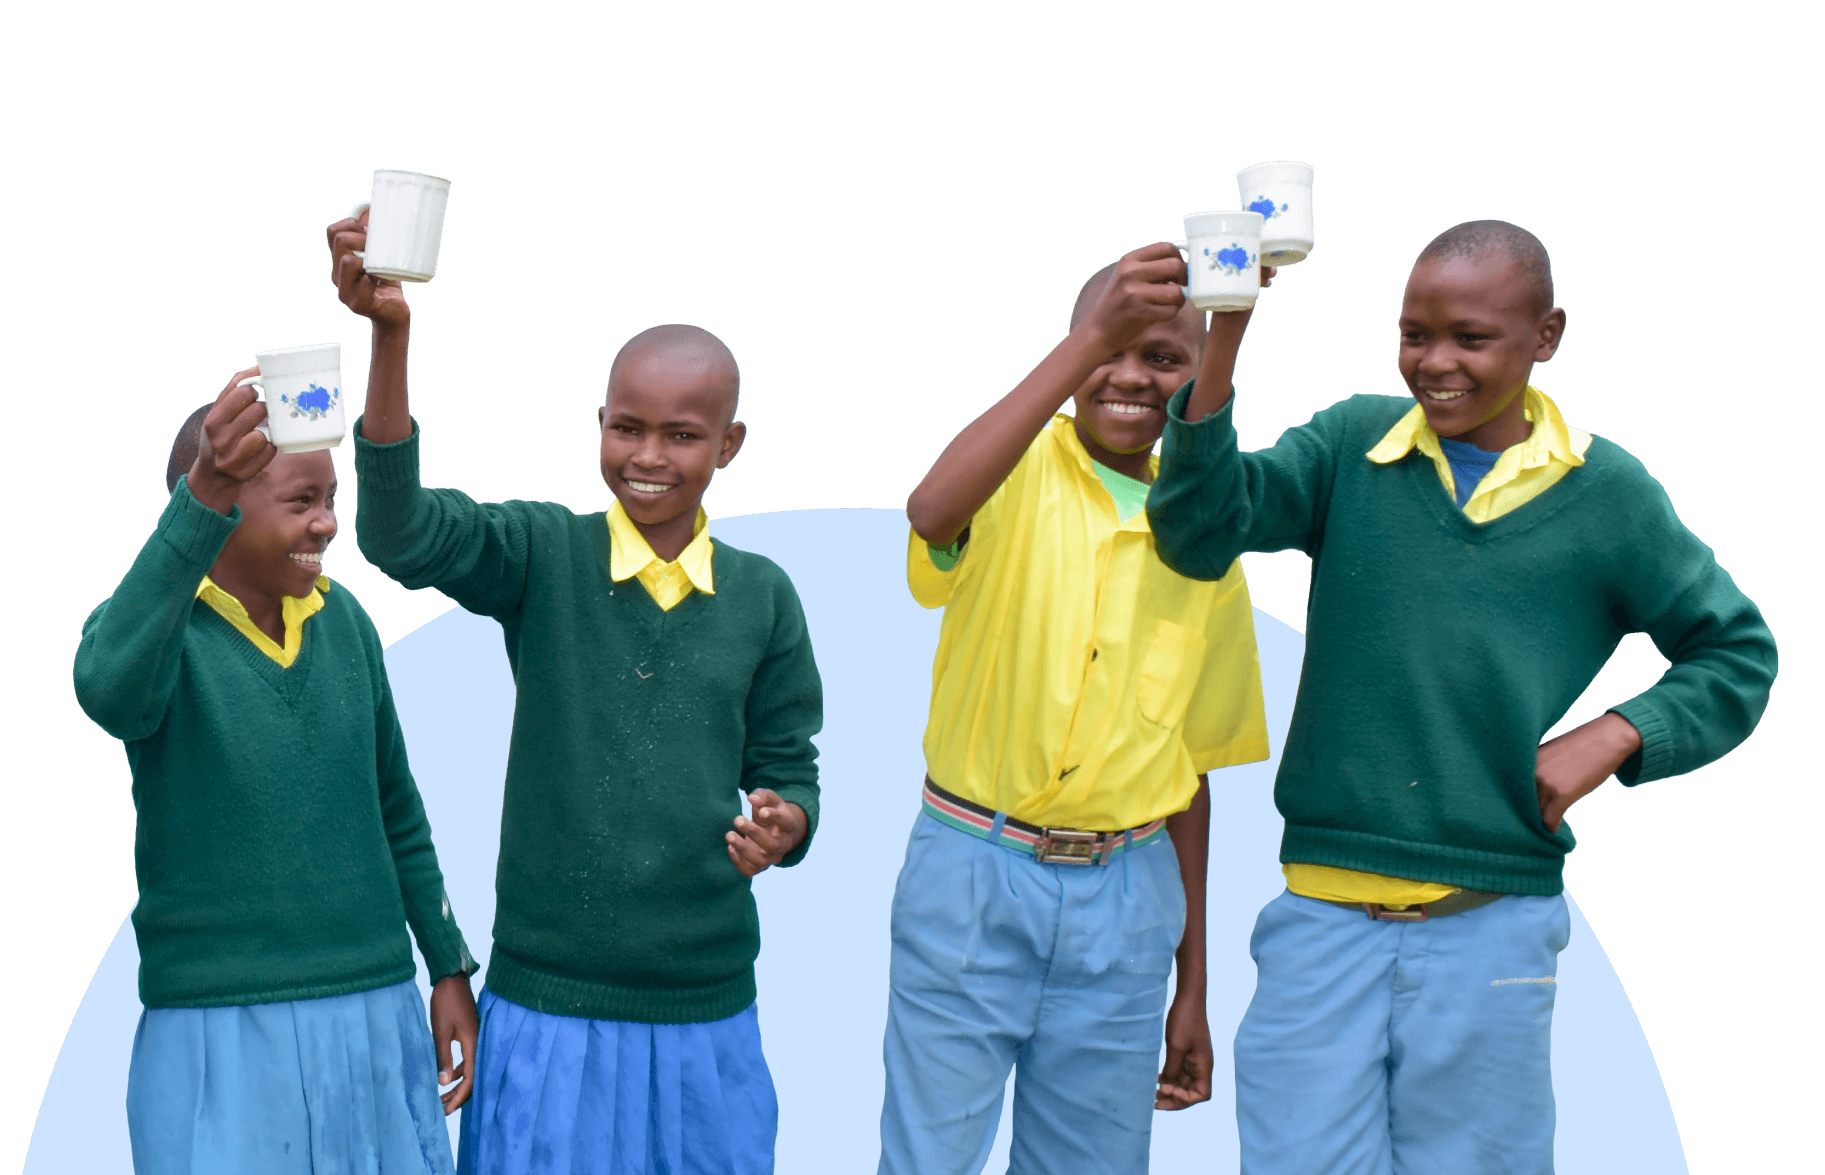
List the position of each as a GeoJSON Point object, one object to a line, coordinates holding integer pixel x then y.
{"type": "Point", "coordinates": [185, 448]}
{"type": "Point", "coordinates": [1477, 238]}
{"type": "Point", "coordinates": [685, 346]}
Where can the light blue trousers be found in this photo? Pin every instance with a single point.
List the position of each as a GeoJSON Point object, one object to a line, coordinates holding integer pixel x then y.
{"type": "Point", "coordinates": [1400, 1048]}
{"type": "Point", "coordinates": [1057, 971]}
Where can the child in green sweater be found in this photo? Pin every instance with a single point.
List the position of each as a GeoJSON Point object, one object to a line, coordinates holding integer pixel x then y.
{"type": "Point", "coordinates": [619, 1031]}
{"type": "Point", "coordinates": [282, 848]}
{"type": "Point", "coordinates": [1475, 561]}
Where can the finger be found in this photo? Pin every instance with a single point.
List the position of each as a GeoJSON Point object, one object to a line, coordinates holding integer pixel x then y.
{"type": "Point", "coordinates": [349, 276]}
{"type": "Point", "coordinates": [1157, 251]}
{"type": "Point", "coordinates": [1170, 269]}
{"type": "Point", "coordinates": [764, 835]}
{"type": "Point", "coordinates": [464, 1072]}
{"type": "Point", "coordinates": [748, 857]}
{"type": "Point", "coordinates": [254, 454]}
{"type": "Point", "coordinates": [764, 797]}
{"type": "Point", "coordinates": [1268, 273]}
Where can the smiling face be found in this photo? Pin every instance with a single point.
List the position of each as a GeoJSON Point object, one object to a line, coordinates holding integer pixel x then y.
{"type": "Point", "coordinates": [666, 430]}
{"type": "Point", "coordinates": [1470, 332]}
{"type": "Point", "coordinates": [1121, 408]}
{"type": "Point", "coordinates": [288, 517]}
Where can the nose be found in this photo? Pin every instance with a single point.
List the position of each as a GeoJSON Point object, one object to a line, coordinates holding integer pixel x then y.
{"type": "Point", "coordinates": [1130, 373]}
{"type": "Point", "coordinates": [323, 524]}
{"type": "Point", "coordinates": [650, 452]}
{"type": "Point", "coordinates": [1438, 358]}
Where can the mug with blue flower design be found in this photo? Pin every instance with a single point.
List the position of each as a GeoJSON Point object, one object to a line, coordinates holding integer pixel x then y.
{"type": "Point", "coordinates": [1223, 259]}
{"type": "Point", "coordinates": [303, 387]}
{"type": "Point", "coordinates": [1282, 193]}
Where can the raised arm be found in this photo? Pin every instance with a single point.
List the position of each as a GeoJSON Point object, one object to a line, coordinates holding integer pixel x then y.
{"type": "Point", "coordinates": [386, 419]}
{"type": "Point", "coordinates": [132, 646]}
{"type": "Point", "coordinates": [1144, 290]}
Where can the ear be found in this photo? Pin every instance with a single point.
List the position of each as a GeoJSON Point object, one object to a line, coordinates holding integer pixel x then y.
{"type": "Point", "coordinates": [1551, 330]}
{"type": "Point", "coordinates": [732, 438]}
{"type": "Point", "coordinates": [602, 418]}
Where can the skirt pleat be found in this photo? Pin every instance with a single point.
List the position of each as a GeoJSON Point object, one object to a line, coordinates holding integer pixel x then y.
{"type": "Point", "coordinates": [562, 1095]}
{"type": "Point", "coordinates": [345, 1085]}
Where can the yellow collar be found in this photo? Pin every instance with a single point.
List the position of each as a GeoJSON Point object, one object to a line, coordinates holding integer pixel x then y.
{"type": "Point", "coordinates": [629, 553]}
{"type": "Point", "coordinates": [1550, 439]}
{"type": "Point", "coordinates": [293, 610]}
{"type": "Point", "coordinates": [1064, 433]}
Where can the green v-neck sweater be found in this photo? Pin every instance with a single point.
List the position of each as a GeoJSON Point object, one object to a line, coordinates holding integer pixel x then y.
{"type": "Point", "coordinates": [282, 848]}
{"type": "Point", "coordinates": [635, 733]}
{"type": "Point", "coordinates": [1439, 651]}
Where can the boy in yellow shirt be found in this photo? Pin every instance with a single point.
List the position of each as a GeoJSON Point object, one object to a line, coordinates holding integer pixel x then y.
{"type": "Point", "coordinates": [1080, 692]}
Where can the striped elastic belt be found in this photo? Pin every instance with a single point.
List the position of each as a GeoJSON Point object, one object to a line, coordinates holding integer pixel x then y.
{"type": "Point", "coordinates": [1051, 846]}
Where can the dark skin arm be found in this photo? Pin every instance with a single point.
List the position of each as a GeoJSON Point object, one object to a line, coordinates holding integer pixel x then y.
{"type": "Point", "coordinates": [1217, 374]}
{"type": "Point", "coordinates": [453, 1017]}
{"type": "Point", "coordinates": [1143, 291]}
{"type": "Point", "coordinates": [1576, 763]}
{"type": "Point", "coordinates": [1190, 1059]}
{"type": "Point", "coordinates": [386, 419]}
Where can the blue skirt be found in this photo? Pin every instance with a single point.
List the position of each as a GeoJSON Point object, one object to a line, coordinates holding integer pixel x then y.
{"type": "Point", "coordinates": [560, 1095]}
{"type": "Point", "coordinates": [345, 1085]}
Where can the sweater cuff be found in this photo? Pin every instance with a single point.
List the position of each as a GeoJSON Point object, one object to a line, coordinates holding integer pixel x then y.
{"type": "Point", "coordinates": [805, 796]}
{"type": "Point", "coordinates": [386, 467]}
{"type": "Point", "coordinates": [1201, 443]}
{"type": "Point", "coordinates": [1656, 758]}
{"type": "Point", "coordinates": [446, 957]}
{"type": "Point", "coordinates": [196, 532]}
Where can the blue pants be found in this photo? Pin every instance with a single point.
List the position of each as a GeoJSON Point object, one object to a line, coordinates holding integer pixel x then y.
{"type": "Point", "coordinates": [561, 1095]}
{"type": "Point", "coordinates": [1058, 971]}
{"type": "Point", "coordinates": [345, 1085]}
{"type": "Point", "coordinates": [1400, 1048]}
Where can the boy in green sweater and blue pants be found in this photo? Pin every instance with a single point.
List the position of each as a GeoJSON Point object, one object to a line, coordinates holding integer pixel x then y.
{"type": "Point", "coordinates": [1475, 561]}
{"type": "Point", "coordinates": [282, 848]}
{"type": "Point", "coordinates": [658, 677]}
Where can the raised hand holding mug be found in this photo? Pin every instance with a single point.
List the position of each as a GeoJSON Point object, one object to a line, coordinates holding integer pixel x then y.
{"type": "Point", "coordinates": [405, 225]}
{"type": "Point", "coordinates": [303, 387]}
{"type": "Point", "coordinates": [1282, 193]}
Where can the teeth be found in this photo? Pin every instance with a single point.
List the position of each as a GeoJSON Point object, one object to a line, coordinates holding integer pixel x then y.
{"type": "Point", "coordinates": [313, 560]}
{"type": "Point", "coordinates": [647, 487]}
{"type": "Point", "coordinates": [1445, 395]}
{"type": "Point", "coordinates": [1122, 409]}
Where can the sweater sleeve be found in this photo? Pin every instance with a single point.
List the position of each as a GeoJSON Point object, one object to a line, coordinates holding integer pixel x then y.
{"type": "Point", "coordinates": [1211, 502]}
{"type": "Point", "coordinates": [785, 708]}
{"type": "Point", "coordinates": [477, 554]}
{"type": "Point", "coordinates": [408, 831]}
{"type": "Point", "coordinates": [1722, 653]}
{"type": "Point", "coordinates": [132, 649]}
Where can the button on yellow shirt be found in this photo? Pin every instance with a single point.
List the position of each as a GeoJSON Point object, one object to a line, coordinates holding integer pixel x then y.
{"type": "Point", "coordinates": [630, 556]}
{"type": "Point", "coordinates": [294, 611]}
{"type": "Point", "coordinates": [1078, 682]}
{"type": "Point", "coordinates": [1521, 474]}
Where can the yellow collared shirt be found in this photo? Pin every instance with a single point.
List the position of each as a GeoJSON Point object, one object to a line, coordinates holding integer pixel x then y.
{"type": "Point", "coordinates": [1078, 682]}
{"type": "Point", "coordinates": [630, 556]}
{"type": "Point", "coordinates": [292, 610]}
{"type": "Point", "coordinates": [1521, 474]}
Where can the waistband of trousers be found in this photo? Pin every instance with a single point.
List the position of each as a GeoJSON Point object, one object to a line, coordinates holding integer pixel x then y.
{"type": "Point", "coordinates": [1047, 845]}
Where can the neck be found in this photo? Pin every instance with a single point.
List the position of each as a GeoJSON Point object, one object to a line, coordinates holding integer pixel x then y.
{"type": "Point", "coordinates": [668, 539]}
{"type": "Point", "coordinates": [1135, 465]}
{"type": "Point", "coordinates": [264, 606]}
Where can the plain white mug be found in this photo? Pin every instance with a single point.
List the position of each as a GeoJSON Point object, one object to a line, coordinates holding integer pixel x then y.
{"type": "Point", "coordinates": [405, 225]}
{"type": "Point", "coordinates": [1282, 193]}
{"type": "Point", "coordinates": [303, 387]}
{"type": "Point", "coordinates": [1223, 259]}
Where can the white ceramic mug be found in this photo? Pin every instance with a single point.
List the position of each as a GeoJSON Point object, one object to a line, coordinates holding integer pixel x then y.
{"type": "Point", "coordinates": [1282, 194]}
{"type": "Point", "coordinates": [1223, 259]}
{"type": "Point", "coordinates": [303, 387]}
{"type": "Point", "coordinates": [405, 225]}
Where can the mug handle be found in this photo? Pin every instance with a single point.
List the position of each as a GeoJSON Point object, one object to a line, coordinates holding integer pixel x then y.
{"type": "Point", "coordinates": [253, 381]}
{"type": "Point", "coordinates": [353, 213]}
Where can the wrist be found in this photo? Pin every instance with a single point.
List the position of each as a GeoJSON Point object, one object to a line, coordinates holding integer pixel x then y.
{"type": "Point", "coordinates": [213, 490]}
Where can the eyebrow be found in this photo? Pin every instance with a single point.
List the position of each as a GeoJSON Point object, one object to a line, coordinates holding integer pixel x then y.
{"type": "Point", "coordinates": [630, 418]}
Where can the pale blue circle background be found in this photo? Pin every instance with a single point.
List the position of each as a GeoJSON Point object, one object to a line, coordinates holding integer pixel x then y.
{"type": "Point", "coordinates": [823, 964]}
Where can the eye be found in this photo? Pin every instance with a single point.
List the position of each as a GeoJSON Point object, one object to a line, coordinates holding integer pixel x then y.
{"type": "Point", "coordinates": [1163, 360]}
{"type": "Point", "coordinates": [1411, 336]}
{"type": "Point", "coordinates": [1470, 339]}
{"type": "Point", "coordinates": [629, 429]}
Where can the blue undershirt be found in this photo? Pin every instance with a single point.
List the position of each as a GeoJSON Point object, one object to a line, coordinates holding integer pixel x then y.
{"type": "Point", "coordinates": [1469, 465]}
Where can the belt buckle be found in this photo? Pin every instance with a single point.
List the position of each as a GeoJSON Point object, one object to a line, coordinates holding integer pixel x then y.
{"type": "Point", "coordinates": [1381, 913]}
{"type": "Point", "coordinates": [1068, 846]}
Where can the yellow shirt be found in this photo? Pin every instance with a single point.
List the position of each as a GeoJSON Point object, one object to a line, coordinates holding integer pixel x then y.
{"type": "Point", "coordinates": [1078, 682]}
{"type": "Point", "coordinates": [1521, 474]}
{"type": "Point", "coordinates": [292, 610]}
{"type": "Point", "coordinates": [630, 556]}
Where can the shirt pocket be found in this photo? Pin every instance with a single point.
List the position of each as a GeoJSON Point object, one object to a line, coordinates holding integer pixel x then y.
{"type": "Point", "coordinates": [1169, 675]}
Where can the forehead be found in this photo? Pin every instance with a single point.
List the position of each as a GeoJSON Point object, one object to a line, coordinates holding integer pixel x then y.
{"type": "Point", "coordinates": [1488, 285]}
{"type": "Point", "coordinates": [670, 385]}
{"type": "Point", "coordinates": [1184, 330]}
{"type": "Point", "coordinates": [296, 471]}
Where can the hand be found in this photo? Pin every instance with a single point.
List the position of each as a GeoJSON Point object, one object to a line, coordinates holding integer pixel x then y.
{"type": "Point", "coordinates": [1573, 765]}
{"type": "Point", "coordinates": [777, 829]}
{"type": "Point", "coordinates": [232, 451]}
{"type": "Point", "coordinates": [453, 1018]}
{"type": "Point", "coordinates": [380, 299]}
{"type": "Point", "coordinates": [1144, 290]}
{"type": "Point", "coordinates": [1185, 1081]}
